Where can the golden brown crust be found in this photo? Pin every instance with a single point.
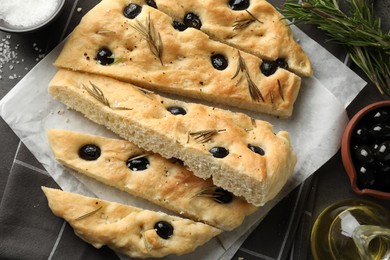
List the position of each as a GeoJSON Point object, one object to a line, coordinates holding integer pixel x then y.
{"type": "Point", "coordinates": [268, 37]}
{"type": "Point", "coordinates": [126, 229]}
{"type": "Point", "coordinates": [165, 182]}
{"type": "Point", "coordinates": [185, 67]}
{"type": "Point", "coordinates": [148, 124]}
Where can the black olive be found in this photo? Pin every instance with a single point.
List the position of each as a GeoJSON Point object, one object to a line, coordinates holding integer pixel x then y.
{"type": "Point", "coordinates": [192, 20]}
{"type": "Point", "coordinates": [379, 131]}
{"type": "Point", "coordinates": [175, 110]}
{"type": "Point", "coordinates": [365, 178]}
{"type": "Point", "coordinates": [219, 152]}
{"type": "Point", "coordinates": [238, 4]}
{"type": "Point", "coordinates": [382, 151]}
{"type": "Point", "coordinates": [164, 229]}
{"type": "Point", "coordinates": [179, 26]}
{"type": "Point", "coordinates": [364, 154]}
{"type": "Point", "coordinates": [360, 134]}
{"type": "Point", "coordinates": [222, 196]}
{"type": "Point", "coordinates": [104, 56]}
{"type": "Point", "coordinates": [268, 67]}
{"type": "Point", "coordinates": [219, 61]}
{"type": "Point", "coordinates": [151, 3]}
{"type": "Point", "coordinates": [89, 152]}
{"type": "Point", "coordinates": [256, 149]}
{"type": "Point", "coordinates": [282, 63]}
{"type": "Point", "coordinates": [381, 116]}
{"type": "Point", "coordinates": [132, 10]}
{"type": "Point", "coordinates": [137, 164]}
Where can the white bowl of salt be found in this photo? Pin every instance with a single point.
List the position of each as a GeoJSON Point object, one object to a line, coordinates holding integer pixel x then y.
{"type": "Point", "coordinates": [28, 15]}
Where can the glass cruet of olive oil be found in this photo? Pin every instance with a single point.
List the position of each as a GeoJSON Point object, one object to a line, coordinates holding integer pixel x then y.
{"type": "Point", "coordinates": [352, 229]}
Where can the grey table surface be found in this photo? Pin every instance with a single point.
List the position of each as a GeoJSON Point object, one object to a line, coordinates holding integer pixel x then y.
{"type": "Point", "coordinates": [283, 234]}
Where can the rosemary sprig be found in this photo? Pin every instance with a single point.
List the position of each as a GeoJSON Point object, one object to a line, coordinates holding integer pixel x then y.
{"type": "Point", "coordinates": [254, 91]}
{"type": "Point", "coordinates": [241, 24]}
{"type": "Point", "coordinates": [357, 28]}
{"type": "Point", "coordinates": [98, 94]}
{"type": "Point", "coordinates": [217, 194]}
{"type": "Point", "coordinates": [89, 213]}
{"type": "Point", "coordinates": [152, 37]}
{"type": "Point", "coordinates": [204, 136]}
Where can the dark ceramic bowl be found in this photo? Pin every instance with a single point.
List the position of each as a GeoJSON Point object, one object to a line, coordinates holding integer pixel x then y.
{"type": "Point", "coordinates": [7, 27]}
{"type": "Point", "coordinates": [349, 158]}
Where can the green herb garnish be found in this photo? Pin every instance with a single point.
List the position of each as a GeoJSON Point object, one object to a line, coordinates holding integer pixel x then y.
{"type": "Point", "coordinates": [98, 94]}
{"type": "Point", "coordinates": [205, 135]}
{"type": "Point", "coordinates": [241, 24]}
{"type": "Point", "coordinates": [357, 28]}
{"type": "Point", "coordinates": [89, 213]}
{"type": "Point", "coordinates": [254, 91]}
{"type": "Point", "coordinates": [152, 37]}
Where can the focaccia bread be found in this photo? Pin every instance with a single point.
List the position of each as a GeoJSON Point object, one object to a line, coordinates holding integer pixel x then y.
{"type": "Point", "coordinates": [253, 26]}
{"type": "Point", "coordinates": [149, 52]}
{"type": "Point", "coordinates": [240, 154]}
{"type": "Point", "coordinates": [132, 231]}
{"type": "Point", "coordinates": [167, 183]}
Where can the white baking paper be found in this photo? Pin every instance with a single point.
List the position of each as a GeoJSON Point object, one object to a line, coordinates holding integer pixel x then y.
{"type": "Point", "coordinates": [315, 129]}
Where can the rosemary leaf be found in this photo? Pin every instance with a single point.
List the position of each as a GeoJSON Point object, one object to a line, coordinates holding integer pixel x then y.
{"type": "Point", "coordinates": [152, 37]}
{"type": "Point", "coordinates": [98, 94]}
{"type": "Point", "coordinates": [241, 24]}
{"type": "Point", "coordinates": [89, 213]}
{"type": "Point", "coordinates": [205, 135]}
{"type": "Point", "coordinates": [280, 90]}
{"type": "Point", "coordinates": [212, 192]}
{"type": "Point", "coordinates": [104, 31]}
{"type": "Point", "coordinates": [138, 156]}
{"type": "Point", "coordinates": [254, 91]}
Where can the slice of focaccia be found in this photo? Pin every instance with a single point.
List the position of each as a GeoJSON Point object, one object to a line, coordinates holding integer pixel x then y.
{"type": "Point", "coordinates": [240, 154]}
{"type": "Point", "coordinates": [123, 165]}
{"type": "Point", "coordinates": [252, 26]}
{"type": "Point", "coordinates": [148, 51]}
{"type": "Point", "coordinates": [132, 231]}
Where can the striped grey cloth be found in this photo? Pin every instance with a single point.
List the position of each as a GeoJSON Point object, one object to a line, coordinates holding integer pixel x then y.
{"type": "Point", "coordinates": [28, 228]}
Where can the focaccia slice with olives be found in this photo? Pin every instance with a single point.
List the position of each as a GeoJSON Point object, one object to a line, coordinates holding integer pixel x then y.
{"type": "Point", "coordinates": [147, 51]}
{"type": "Point", "coordinates": [240, 154]}
{"type": "Point", "coordinates": [129, 230]}
{"type": "Point", "coordinates": [167, 183]}
{"type": "Point", "coordinates": [255, 27]}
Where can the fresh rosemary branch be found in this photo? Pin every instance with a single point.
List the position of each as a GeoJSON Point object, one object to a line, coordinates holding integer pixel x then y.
{"type": "Point", "coordinates": [358, 29]}
{"type": "Point", "coordinates": [152, 37]}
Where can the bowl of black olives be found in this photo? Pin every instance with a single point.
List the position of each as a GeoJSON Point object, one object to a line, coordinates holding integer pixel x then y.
{"type": "Point", "coordinates": [365, 150]}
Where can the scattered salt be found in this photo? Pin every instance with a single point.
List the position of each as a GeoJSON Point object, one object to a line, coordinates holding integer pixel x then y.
{"type": "Point", "coordinates": [79, 9]}
{"type": "Point", "coordinates": [9, 60]}
{"type": "Point", "coordinates": [28, 12]}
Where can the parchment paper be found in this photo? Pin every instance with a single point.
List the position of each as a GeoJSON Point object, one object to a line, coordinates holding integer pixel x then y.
{"type": "Point", "coordinates": [315, 128]}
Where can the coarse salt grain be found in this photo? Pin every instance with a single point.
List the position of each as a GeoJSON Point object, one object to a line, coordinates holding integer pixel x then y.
{"type": "Point", "coordinates": [27, 13]}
